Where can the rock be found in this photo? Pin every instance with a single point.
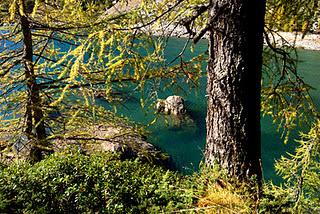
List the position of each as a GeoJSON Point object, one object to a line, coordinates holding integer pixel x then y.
{"type": "Point", "coordinates": [173, 105]}
{"type": "Point", "coordinates": [161, 105]}
{"type": "Point", "coordinates": [175, 113]}
{"type": "Point", "coordinates": [122, 140]}
{"type": "Point", "coordinates": [100, 94]}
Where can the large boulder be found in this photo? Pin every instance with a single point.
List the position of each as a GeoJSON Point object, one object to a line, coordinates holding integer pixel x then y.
{"type": "Point", "coordinates": [172, 105]}
{"type": "Point", "coordinates": [121, 140]}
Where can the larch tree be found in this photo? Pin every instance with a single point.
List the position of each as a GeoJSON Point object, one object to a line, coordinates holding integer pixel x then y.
{"type": "Point", "coordinates": [234, 86]}
{"type": "Point", "coordinates": [56, 56]}
{"type": "Point", "coordinates": [101, 47]}
{"type": "Point", "coordinates": [242, 85]}
{"type": "Point", "coordinates": [235, 33]}
{"type": "Point", "coordinates": [288, 100]}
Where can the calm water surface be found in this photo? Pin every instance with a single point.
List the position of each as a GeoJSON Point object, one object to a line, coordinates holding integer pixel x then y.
{"type": "Point", "coordinates": [185, 144]}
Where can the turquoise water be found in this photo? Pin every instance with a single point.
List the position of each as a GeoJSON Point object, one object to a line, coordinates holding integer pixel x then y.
{"type": "Point", "coordinates": [185, 144]}
{"type": "Point", "coordinates": [272, 144]}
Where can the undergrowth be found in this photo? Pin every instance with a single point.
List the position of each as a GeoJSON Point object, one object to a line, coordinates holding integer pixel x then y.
{"type": "Point", "coordinates": [71, 182]}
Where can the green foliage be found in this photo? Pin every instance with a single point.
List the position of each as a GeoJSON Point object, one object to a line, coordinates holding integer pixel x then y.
{"type": "Point", "coordinates": [276, 199]}
{"type": "Point", "coordinates": [292, 15]}
{"type": "Point", "coordinates": [72, 182]}
{"type": "Point", "coordinates": [285, 96]}
{"type": "Point", "coordinates": [78, 48]}
{"type": "Point", "coordinates": [218, 193]}
{"type": "Point", "coordinates": [300, 191]}
{"type": "Point", "coordinates": [301, 170]}
{"type": "Point", "coordinates": [107, 43]}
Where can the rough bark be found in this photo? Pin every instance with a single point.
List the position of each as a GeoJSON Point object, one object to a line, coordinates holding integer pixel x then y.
{"type": "Point", "coordinates": [34, 113]}
{"type": "Point", "coordinates": [233, 87]}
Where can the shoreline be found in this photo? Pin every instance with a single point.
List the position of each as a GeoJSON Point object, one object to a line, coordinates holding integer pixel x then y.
{"type": "Point", "coordinates": [309, 42]}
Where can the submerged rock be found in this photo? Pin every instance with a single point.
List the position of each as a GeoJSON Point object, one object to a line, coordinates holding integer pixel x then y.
{"type": "Point", "coordinates": [172, 105]}
{"type": "Point", "coordinates": [175, 112]}
{"type": "Point", "coordinates": [100, 94]}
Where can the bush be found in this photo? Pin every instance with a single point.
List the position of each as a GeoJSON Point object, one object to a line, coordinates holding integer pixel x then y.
{"type": "Point", "coordinates": [276, 199]}
{"type": "Point", "coordinates": [74, 183]}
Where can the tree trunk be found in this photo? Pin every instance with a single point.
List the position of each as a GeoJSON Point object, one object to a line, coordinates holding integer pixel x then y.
{"type": "Point", "coordinates": [234, 85]}
{"type": "Point", "coordinates": [34, 114]}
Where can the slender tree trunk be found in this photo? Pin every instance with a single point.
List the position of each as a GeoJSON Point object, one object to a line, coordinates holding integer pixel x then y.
{"type": "Point", "coordinates": [233, 87]}
{"type": "Point", "coordinates": [34, 112]}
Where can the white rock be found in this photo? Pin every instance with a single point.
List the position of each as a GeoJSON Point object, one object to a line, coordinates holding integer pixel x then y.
{"type": "Point", "coordinates": [173, 105]}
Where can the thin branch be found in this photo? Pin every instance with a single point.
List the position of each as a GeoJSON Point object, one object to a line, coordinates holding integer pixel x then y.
{"type": "Point", "coordinates": [50, 60]}
{"type": "Point", "coordinates": [210, 24]}
{"type": "Point", "coordinates": [6, 59]}
{"type": "Point", "coordinates": [199, 10]}
{"type": "Point", "coordinates": [44, 47]}
{"type": "Point", "coordinates": [54, 38]}
{"type": "Point", "coordinates": [181, 52]}
{"type": "Point", "coordinates": [48, 85]}
{"type": "Point", "coordinates": [201, 33]}
{"type": "Point", "coordinates": [155, 19]}
{"type": "Point", "coordinates": [10, 67]}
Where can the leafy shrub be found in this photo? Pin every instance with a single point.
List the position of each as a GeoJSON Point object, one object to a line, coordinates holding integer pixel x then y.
{"type": "Point", "coordinates": [276, 199]}
{"type": "Point", "coordinates": [74, 183]}
{"type": "Point", "coordinates": [300, 171]}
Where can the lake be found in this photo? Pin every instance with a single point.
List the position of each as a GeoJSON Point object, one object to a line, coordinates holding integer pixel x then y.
{"type": "Point", "coordinates": [185, 144]}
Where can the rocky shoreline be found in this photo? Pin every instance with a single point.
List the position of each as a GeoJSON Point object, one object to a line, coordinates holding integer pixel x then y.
{"type": "Point", "coordinates": [309, 41]}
